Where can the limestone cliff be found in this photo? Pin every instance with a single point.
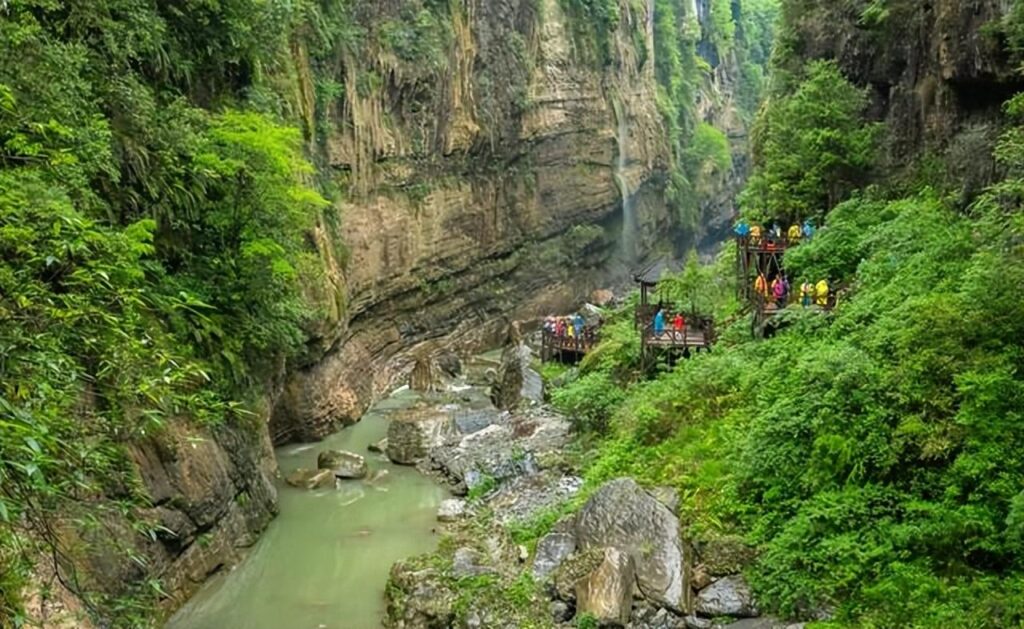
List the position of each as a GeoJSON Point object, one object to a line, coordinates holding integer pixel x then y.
{"type": "Point", "coordinates": [937, 72]}
{"type": "Point", "coordinates": [476, 192]}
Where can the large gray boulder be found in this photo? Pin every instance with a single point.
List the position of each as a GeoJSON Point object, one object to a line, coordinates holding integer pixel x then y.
{"type": "Point", "coordinates": [412, 435]}
{"type": "Point", "coordinates": [606, 593]}
{"type": "Point", "coordinates": [516, 382]}
{"type": "Point", "coordinates": [343, 464]}
{"type": "Point", "coordinates": [622, 515]}
{"type": "Point", "coordinates": [729, 596]}
{"type": "Point", "coordinates": [552, 550]}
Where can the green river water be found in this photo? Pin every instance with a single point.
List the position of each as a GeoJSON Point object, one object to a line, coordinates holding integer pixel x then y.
{"type": "Point", "coordinates": [324, 561]}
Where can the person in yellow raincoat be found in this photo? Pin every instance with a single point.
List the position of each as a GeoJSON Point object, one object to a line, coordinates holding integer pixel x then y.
{"type": "Point", "coordinates": [794, 234]}
{"type": "Point", "coordinates": [761, 286]}
{"type": "Point", "coordinates": [821, 293]}
{"type": "Point", "coordinates": [755, 235]}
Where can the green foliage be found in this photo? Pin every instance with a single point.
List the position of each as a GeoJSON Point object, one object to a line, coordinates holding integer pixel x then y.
{"type": "Point", "coordinates": [811, 147]}
{"type": "Point", "coordinates": [153, 239]}
{"type": "Point", "coordinates": [486, 485]}
{"type": "Point", "coordinates": [696, 288]}
{"type": "Point", "coordinates": [588, 400]}
{"type": "Point", "coordinates": [870, 456]}
{"type": "Point", "coordinates": [593, 23]}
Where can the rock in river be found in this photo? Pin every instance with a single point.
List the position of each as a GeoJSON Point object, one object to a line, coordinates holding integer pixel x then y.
{"type": "Point", "coordinates": [622, 515]}
{"type": "Point", "coordinates": [343, 464]}
{"type": "Point", "coordinates": [311, 479]}
{"type": "Point", "coordinates": [607, 592]}
{"type": "Point", "coordinates": [413, 434]}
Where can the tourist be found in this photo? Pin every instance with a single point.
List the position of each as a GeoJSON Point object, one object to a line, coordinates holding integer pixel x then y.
{"type": "Point", "coordinates": [776, 231]}
{"type": "Point", "coordinates": [794, 234]}
{"type": "Point", "coordinates": [821, 293]}
{"type": "Point", "coordinates": [659, 322]}
{"type": "Point", "coordinates": [761, 285]}
{"type": "Point", "coordinates": [570, 331]}
{"type": "Point", "coordinates": [578, 323]}
{"type": "Point", "coordinates": [808, 229]}
{"type": "Point", "coordinates": [755, 235]}
{"type": "Point", "coordinates": [678, 323]}
{"type": "Point", "coordinates": [742, 229]}
{"type": "Point", "coordinates": [806, 293]}
{"type": "Point", "coordinates": [779, 292]}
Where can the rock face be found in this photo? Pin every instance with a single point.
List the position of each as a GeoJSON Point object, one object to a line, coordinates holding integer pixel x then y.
{"type": "Point", "coordinates": [450, 253]}
{"type": "Point", "coordinates": [214, 483]}
{"type": "Point", "coordinates": [343, 464]}
{"type": "Point", "coordinates": [606, 593]}
{"type": "Point", "coordinates": [729, 596]}
{"type": "Point", "coordinates": [413, 434]}
{"type": "Point", "coordinates": [624, 516]}
{"type": "Point", "coordinates": [935, 76]}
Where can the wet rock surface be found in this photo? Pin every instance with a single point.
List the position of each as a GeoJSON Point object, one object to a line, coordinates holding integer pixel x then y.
{"type": "Point", "coordinates": [344, 464]}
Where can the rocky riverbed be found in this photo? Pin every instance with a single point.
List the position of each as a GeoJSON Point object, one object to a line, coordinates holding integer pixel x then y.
{"type": "Point", "coordinates": [529, 545]}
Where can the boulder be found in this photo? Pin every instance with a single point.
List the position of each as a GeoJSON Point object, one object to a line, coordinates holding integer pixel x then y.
{"type": "Point", "coordinates": [696, 622]}
{"type": "Point", "coordinates": [311, 479]}
{"type": "Point", "coordinates": [344, 464]}
{"type": "Point", "coordinates": [667, 496]}
{"type": "Point", "coordinates": [451, 510]}
{"type": "Point", "coordinates": [729, 596]}
{"type": "Point", "coordinates": [575, 567]}
{"type": "Point", "coordinates": [649, 616]}
{"type": "Point", "coordinates": [379, 447]}
{"type": "Point", "coordinates": [516, 382]}
{"type": "Point", "coordinates": [552, 550]}
{"type": "Point", "coordinates": [412, 435]}
{"type": "Point", "coordinates": [606, 593]}
{"type": "Point", "coordinates": [622, 515]}
{"type": "Point", "coordinates": [602, 297]}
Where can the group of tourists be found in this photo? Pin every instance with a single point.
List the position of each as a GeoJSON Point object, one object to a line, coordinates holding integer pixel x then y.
{"type": "Point", "coordinates": [779, 291]}
{"type": "Point", "coordinates": [571, 326]}
{"type": "Point", "coordinates": [677, 322]}
{"type": "Point", "coordinates": [757, 235]}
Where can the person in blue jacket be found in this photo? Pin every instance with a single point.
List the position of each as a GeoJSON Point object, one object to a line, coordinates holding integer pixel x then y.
{"type": "Point", "coordinates": [659, 322]}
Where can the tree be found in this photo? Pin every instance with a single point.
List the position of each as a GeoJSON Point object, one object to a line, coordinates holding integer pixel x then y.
{"type": "Point", "coordinates": [811, 148]}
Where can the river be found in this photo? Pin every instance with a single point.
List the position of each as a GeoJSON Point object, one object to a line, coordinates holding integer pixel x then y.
{"type": "Point", "coordinates": [324, 561]}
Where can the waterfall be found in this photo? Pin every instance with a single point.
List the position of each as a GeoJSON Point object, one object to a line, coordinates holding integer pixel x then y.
{"type": "Point", "coordinates": [629, 228]}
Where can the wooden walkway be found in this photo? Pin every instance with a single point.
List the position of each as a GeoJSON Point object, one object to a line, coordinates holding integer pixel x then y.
{"type": "Point", "coordinates": [567, 348]}
{"type": "Point", "coordinates": [681, 339]}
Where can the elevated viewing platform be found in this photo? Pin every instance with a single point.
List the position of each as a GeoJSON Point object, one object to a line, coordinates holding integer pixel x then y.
{"type": "Point", "coordinates": [565, 348]}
